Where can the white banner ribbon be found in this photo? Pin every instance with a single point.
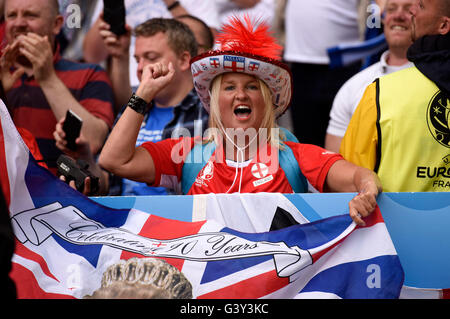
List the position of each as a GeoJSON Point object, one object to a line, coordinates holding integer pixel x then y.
{"type": "Point", "coordinates": [70, 224]}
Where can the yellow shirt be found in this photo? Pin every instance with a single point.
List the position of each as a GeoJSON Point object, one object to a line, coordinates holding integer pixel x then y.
{"type": "Point", "coordinates": [359, 144]}
{"type": "Point", "coordinates": [401, 130]}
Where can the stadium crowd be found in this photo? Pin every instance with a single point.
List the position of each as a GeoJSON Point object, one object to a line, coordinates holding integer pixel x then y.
{"type": "Point", "coordinates": [61, 55]}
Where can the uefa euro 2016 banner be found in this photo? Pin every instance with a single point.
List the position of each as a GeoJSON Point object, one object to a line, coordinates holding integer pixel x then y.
{"type": "Point", "coordinates": [236, 246]}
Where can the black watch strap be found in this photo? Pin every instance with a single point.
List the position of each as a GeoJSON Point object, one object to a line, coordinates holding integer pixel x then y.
{"type": "Point", "coordinates": [138, 104]}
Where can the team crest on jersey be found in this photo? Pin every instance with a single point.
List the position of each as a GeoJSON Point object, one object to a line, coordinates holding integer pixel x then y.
{"type": "Point", "coordinates": [438, 118]}
{"type": "Point", "coordinates": [206, 174]}
{"type": "Point", "coordinates": [261, 172]}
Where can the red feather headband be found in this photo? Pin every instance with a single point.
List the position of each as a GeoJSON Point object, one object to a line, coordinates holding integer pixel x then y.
{"type": "Point", "coordinates": [246, 47]}
{"type": "Point", "coordinates": [244, 36]}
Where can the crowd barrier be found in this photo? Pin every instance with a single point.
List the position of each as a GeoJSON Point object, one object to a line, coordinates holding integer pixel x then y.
{"type": "Point", "coordinates": [419, 224]}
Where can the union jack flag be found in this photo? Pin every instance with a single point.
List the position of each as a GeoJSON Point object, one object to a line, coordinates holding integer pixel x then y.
{"type": "Point", "coordinates": [66, 243]}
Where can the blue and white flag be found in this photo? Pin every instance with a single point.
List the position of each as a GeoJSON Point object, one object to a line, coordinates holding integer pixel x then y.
{"type": "Point", "coordinates": [69, 246]}
{"type": "Point", "coordinates": [348, 53]}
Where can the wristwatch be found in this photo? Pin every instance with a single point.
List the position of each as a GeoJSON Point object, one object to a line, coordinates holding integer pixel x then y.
{"type": "Point", "coordinates": [138, 104]}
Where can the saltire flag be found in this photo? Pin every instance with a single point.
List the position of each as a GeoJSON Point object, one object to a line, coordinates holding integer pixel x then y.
{"type": "Point", "coordinates": [68, 246]}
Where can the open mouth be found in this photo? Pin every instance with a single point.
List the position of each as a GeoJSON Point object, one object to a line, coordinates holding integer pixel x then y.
{"type": "Point", "coordinates": [399, 28]}
{"type": "Point", "coordinates": [242, 111]}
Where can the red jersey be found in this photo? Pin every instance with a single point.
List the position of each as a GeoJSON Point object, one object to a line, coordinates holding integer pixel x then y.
{"type": "Point", "coordinates": [260, 174]}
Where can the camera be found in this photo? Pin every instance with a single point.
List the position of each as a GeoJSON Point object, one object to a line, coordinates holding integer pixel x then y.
{"type": "Point", "coordinates": [76, 171]}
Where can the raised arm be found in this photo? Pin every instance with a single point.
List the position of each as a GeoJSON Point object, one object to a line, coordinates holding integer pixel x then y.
{"type": "Point", "coordinates": [38, 51]}
{"type": "Point", "coordinates": [344, 176]}
{"type": "Point", "coordinates": [119, 155]}
{"type": "Point", "coordinates": [118, 48]}
{"type": "Point", "coordinates": [94, 51]}
{"type": "Point", "coordinates": [176, 10]}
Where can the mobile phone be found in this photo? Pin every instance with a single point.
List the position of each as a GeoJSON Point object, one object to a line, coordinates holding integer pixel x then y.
{"type": "Point", "coordinates": [114, 15]}
{"type": "Point", "coordinates": [72, 128]}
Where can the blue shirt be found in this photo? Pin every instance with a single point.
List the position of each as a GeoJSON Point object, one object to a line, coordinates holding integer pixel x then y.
{"type": "Point", "coordinates": [151, 131]}
{"type": "Point", "coordinates": [159, 124]}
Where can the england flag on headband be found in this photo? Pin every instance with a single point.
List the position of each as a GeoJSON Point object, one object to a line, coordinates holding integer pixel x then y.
{"type": "Point", "coordinates": [68, 246]}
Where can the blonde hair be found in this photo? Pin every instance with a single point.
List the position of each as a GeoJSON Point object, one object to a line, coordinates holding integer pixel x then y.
{"type": "Point", "coordinates": [268, 122]}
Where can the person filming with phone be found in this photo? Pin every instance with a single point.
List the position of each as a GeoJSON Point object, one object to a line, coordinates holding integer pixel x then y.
{"type": "Point", "coordinates": [41, 86]}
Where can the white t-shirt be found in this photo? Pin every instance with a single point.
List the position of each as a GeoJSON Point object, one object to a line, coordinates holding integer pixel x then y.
{"type": "Point", "coordinates": [349, 95]}
{"type": "Point", "coordinates": [313, 26]}
{"type": "Point", "coordinates": [264, 10]}
{"type": "Point", "coordinates": [139, 11]}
